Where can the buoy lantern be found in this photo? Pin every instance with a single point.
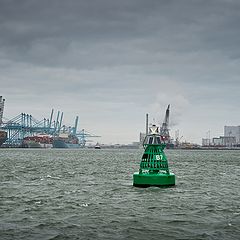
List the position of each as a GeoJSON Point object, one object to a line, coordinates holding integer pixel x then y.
{"type": "Point", "coordinates": [154, 169]}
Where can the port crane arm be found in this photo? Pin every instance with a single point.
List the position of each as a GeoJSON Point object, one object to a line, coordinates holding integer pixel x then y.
{"type": "Point", "coordinates": [164, 131]}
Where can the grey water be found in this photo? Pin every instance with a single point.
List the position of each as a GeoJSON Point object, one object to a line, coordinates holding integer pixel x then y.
{"type": "Point", "coordinates": [88, 194]}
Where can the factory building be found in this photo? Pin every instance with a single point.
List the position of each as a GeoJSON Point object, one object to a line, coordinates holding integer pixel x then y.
{"type": "Point", "coordinates": [232, 131]}
{"type": "Point", "coordinates": [224, 141]}
{"type": "Point", "coordinates": [221, 141]}
{"type": "Point", "coordinates": [231, 138]}
{"type": "Point", "coordinates": [206, 142]}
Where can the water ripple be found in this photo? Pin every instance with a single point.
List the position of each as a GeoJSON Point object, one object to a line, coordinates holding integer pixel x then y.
{"type": "Point", "coordinates": [87, 194]}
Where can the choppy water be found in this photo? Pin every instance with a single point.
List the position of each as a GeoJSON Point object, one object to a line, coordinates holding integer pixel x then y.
{"type": "Point", "coordinates": [88, 194]}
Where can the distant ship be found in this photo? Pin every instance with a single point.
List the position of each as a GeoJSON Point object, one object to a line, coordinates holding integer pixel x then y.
{"type": "Point", "coordinates": [38, 141]}
{"type": "Point", "coordinates": [65, 140]}
{"type": "Point", "coordinates": [97, 146]}
{"type": "Point", "coordinates": [3, 137]}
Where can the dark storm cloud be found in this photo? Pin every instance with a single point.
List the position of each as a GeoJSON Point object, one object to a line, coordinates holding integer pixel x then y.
{"type": "Point", "coordinates": [88, 34]}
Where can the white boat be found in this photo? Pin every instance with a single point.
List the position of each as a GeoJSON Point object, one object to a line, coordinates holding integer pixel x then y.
{"type": "Point", "coordinates": [97, 146]}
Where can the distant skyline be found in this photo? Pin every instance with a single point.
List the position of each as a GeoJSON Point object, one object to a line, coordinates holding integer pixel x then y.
{"type": "Point", "coordinates": [111, 62]}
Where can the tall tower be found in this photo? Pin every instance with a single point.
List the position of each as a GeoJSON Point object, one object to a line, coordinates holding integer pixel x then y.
{"type": "Point", "coordinates": [1, 108]}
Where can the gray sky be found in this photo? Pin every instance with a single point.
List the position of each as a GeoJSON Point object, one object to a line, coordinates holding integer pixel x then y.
{"type": "Point", "coordinates": [111, 62]}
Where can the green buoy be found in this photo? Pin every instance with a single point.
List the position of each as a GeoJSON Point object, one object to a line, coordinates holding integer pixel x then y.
{"type": "Point", "coordinates": [154, 165]}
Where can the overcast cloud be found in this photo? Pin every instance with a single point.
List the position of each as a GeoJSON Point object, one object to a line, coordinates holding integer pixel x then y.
{"type": "Point", "coordinates": [111, 62]}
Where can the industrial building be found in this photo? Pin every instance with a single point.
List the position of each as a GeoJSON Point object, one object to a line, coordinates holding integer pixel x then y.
{"type": "Point", "coordinates": [231, 138]}
{"type": "Point", "coordinates": [232, 131]}
{"type": "Point", "coordinates": [224, 141]}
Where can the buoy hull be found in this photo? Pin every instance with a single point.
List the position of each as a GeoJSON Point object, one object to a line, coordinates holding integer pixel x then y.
{"type": "Point", "coordinates": [159, 180]}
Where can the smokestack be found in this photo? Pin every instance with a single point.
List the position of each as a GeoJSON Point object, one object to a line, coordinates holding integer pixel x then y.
{"type": "Point", "coordinates": [146, 123]}
{"type": "Point", "coordinates": [1, 108]}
